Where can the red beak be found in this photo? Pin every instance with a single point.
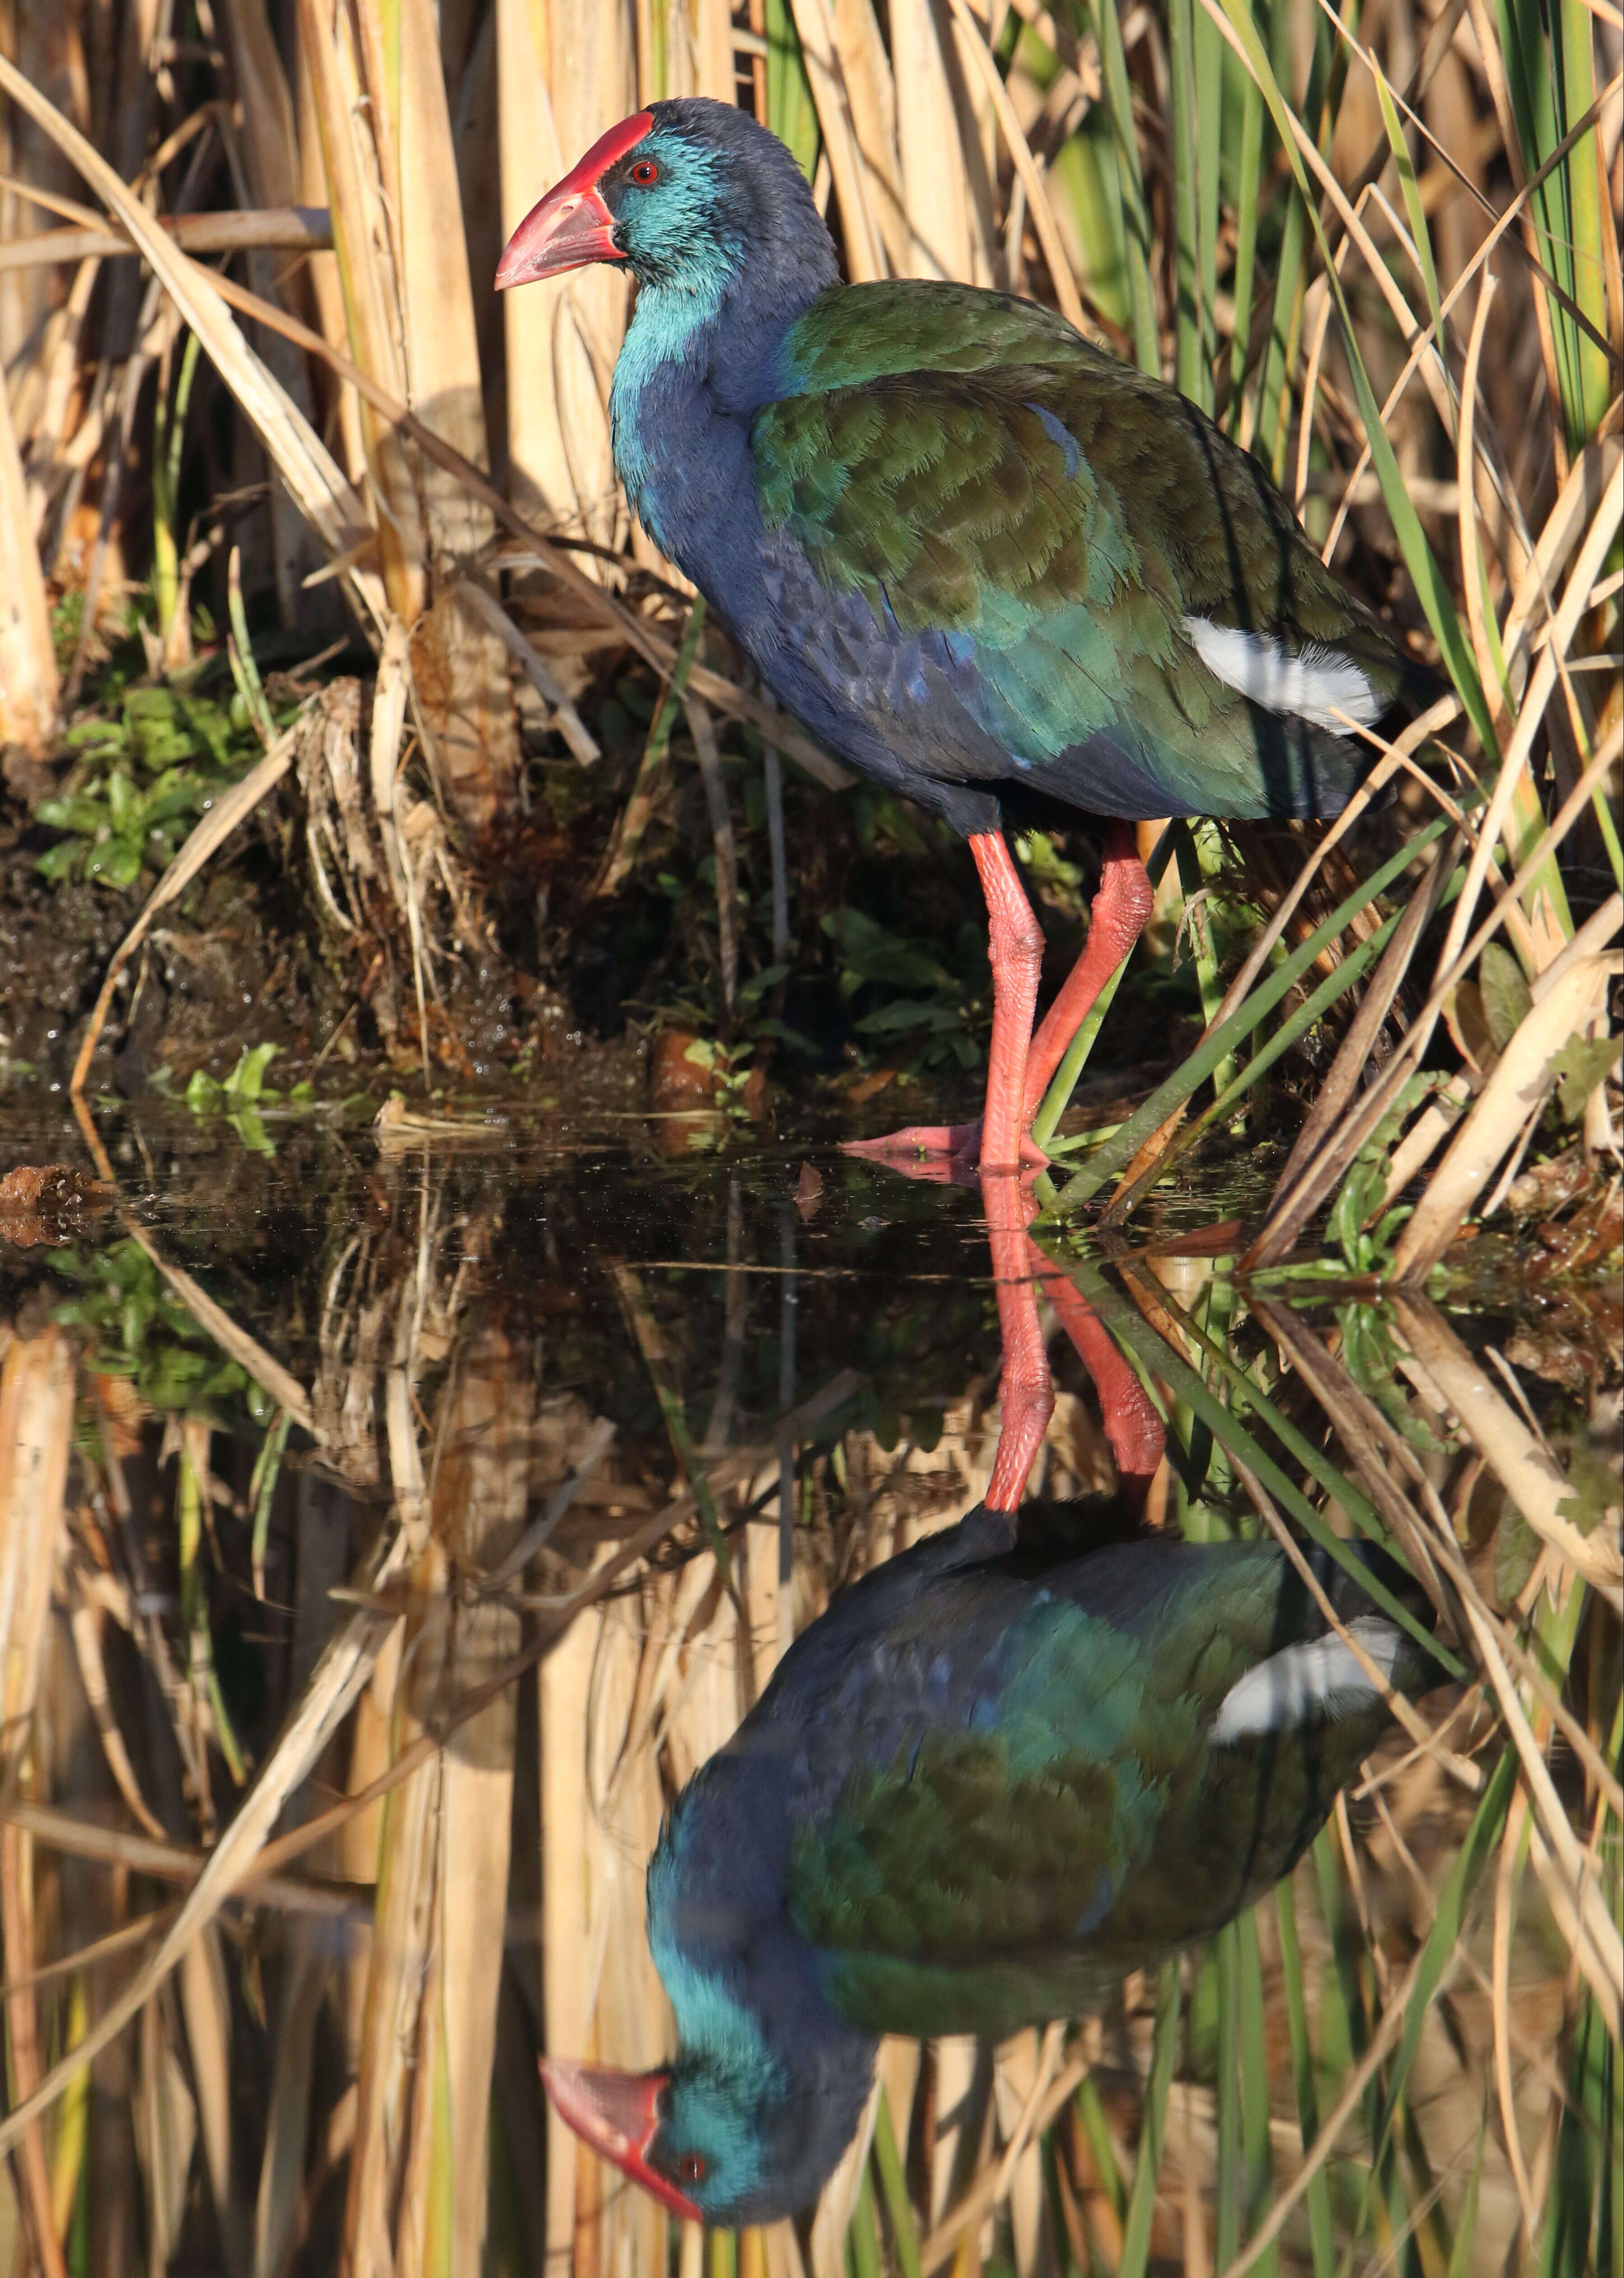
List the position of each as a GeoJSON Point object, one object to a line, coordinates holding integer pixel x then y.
{"type": "Point", "coordinates": [572, 225]}
{"type": "Point", "coordinates": [618, 2114]}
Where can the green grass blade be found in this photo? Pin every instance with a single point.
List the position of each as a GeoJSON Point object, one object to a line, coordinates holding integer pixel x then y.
{"type": "Point", "coordinates": [1248, 192]}
{"type": "Point", "coordinates": [1114, 1156]}
{"type": "Point", "coordinates": [1190, 368]}
{"type": "Point", "coordinates": [1447, 1928]}
{"type": "Point", "coordinates": [1431, 586]}
{"type": "Point", "coordinates": [1229, 2194]}
{"type": "Point", "coordinates": [1277, 378]}
{"type": "Point", "coordinates": [1254, 2085]}
{"type": "Point", "coordinates": [1135, 210]}
{"type": "Point", "coordinates": [1316, 2198]}
{"type": "Point", "coordinates": [1415, 213]}
{"type": "Point", "coordinates": [791, 112]}
{"type": "Point", "coordinates": [1466, 2229]}
{"type": "Point", "coordinates": [1096, 2126]}
{"type": "Point", "coordinates": [1142, 2197]}
{"type": "Point", "coordinates": [894, 2190]}
{"type": "Point", "coordinates": [1208, 143]}
{"type": "Point", "coordinates": [1335, 985]}
{"type": "Point", "coordinates": [863, 2231]}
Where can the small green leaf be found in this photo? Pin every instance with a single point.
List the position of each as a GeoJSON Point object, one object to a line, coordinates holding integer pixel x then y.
{"type": "Point", "coordinates": [249, 1127]}
{"type": "Point", "coordinates": [204, 1095]}
{"type": "Point", "coordinates": [60, 860]}
{"type": "Point", "coordinates": [247, 1079]}
{"type": "Point", "coordinates": [118, 863]}
{"type": "Point", "coordinates": [1516, 1547]}
{"type": "Point", "coordinates": [1504, 993]}
{"type": "Point", "coordinates": [1595, 1485]}
{"type": "Point", "coordinates": [1578, 1068]}
{"type": "Point", "coordinates": [121, 799]}
{"type": "Point", "coordinates": [93, 734]}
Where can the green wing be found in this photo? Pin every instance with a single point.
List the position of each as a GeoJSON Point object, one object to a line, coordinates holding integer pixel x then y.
{"type": "Point", "coordinates": [1052, 518]}
{"type": "Point", "coordinates": [985, 1878]}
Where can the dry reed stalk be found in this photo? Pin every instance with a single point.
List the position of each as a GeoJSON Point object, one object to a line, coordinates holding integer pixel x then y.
{"type": "Point", "coordinates": [165, 2127]}
{"type": "Point", "coordinates": [342, 1670]}
{"type": "Point", "coordinates": [324, 497]}
{"type": "Point", "coordinates": [1022, 2070]}
{"type": "Point", "coordinates": [37, 1379]}
{"type": "Point", "coordinates": [482, 1492]}
{"type": "Point", "coordinates": [935, 193]}
{"type": "Point", "coordinates": [259, 229]}
{"type": "Point", "coordinates": [567, 1874]}
{"type": "Point", "coordinates": [870, 99]}
{"type": "Point", "coordinates": [832, 2219]}
{"type": "Point", "coordinates": [1517, 1091]}
{"type": "Point", "coordinates": [385, 141]}
{"type": "Point", "coordinates": [864, 245]}
{"type": "Point", "coordinates": [1518, 1460]}
{"type": "Point", "coordinates": [631, 2018]}
{"type": "Point", "coordinates": [29, 692]}
{"type": "Point", "coordinates": [560, 65]}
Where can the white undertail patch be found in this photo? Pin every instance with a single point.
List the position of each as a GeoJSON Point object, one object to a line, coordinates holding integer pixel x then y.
{"type": "Point", "coordinates": [1307, 1680]}
{"type": "Point", "coordinates": [1315, 684]}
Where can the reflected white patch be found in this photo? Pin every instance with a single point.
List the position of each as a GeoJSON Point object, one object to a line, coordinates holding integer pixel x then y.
{"type": "Point", "coordinates": [1307, 1680]}
{"type": "Point", "coordinates": [1315, 684]}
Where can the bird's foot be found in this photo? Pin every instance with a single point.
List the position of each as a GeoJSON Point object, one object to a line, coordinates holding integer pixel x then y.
{"type": "Point", "coordinates": [942, 1153]}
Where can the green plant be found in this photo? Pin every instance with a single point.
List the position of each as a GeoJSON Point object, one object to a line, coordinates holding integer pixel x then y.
{"type": "Point", "coordinates": [243, 1093]}
{"type": "Point", "coordinates": [939, 1029]}
{"type": "Point", "coordinates": [144, 778]}
{"type": "Point", "coordinates": [137, 1328]}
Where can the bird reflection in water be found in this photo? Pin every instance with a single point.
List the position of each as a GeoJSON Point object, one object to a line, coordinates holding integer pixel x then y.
{"type": "Point", "coordinates": [1028, 1756]}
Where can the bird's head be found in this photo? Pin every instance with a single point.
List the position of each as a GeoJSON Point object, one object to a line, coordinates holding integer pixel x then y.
{"type": "Point", "coordinates": [769, 2083]}
{"type": "Point", "coordinates": [685, 193]}
{"type": "Point", "coordinates": [714, 2141]}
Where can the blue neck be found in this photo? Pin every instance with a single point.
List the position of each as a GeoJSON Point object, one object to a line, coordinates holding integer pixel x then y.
{"type": "Point", "coordinates": [699, 357]}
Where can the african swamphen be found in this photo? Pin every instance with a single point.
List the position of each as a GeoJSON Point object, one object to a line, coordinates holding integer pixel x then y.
{"type": "Point", "coordinates": [984, 1785]}
{"type": "Point", "coordinates": [992, 568]}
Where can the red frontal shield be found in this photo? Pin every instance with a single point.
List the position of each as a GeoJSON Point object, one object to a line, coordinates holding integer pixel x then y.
{"type": "Point", "coordinates": [572, 225]}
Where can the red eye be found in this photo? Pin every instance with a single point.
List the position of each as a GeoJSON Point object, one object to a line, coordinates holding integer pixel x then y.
{"type": "Point", "coordinates": [644, 173]}
{"type": "Point", "coordinates": [691, 2167]}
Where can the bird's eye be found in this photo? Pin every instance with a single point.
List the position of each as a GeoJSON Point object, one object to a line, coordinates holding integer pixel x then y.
{"type": "Point", "coordinates": [644, 173]}
{"type": "Point", "coordinates": [691, 2167]}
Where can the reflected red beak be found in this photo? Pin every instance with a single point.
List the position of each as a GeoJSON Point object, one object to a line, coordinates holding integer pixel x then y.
{"type": "Point", "coordinates": [572, 225]}
{"type": "Point", "coordinates": [618, 2114]}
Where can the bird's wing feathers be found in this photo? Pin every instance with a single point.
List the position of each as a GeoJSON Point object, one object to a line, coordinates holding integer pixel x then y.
{"type": "Point", "coordinates": [1021, 1837]}
{"type": "Point", "coordinates": [1078, 552]}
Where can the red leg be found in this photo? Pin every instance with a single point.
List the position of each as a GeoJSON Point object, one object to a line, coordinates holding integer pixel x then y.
{"type": "Point", "coordinates": [1015, 947]}
{"type": "Point", "coordinates": [1137, 1434]}
{"type": "Point", "coordinates": [1116, 922]}
{"type": "Point", "coordinates": [1025, 1391]}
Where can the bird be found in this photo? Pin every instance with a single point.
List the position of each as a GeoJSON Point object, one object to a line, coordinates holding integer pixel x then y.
{"type": "Point", "coordinates": [1001, 1770]}
{"type": "Point", "coordinates": [991, 567]}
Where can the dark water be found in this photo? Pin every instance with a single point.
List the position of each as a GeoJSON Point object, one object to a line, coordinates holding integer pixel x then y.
{"type": "Point", "coordinates": [598, 1417]}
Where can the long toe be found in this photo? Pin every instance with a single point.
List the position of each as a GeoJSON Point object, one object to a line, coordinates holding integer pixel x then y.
{"type": "Point", "coordinates": [943, 1154]}
{"type": "Point", "coordinates": [960, 1140]}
